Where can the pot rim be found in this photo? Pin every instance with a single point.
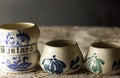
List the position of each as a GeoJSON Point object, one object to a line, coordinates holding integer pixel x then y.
{"type": "Point", "coordinates": [61, 43]}
{"type": "Point", "coordinates": [105, 45]}
{"type": "Point", "coordinates": [17, 25]}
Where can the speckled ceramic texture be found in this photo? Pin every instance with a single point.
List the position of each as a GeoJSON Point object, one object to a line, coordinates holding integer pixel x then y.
{"type": "Point", "coordinates": [18, 47]}
{"type": "Point", "coordinates": [61, 57]}
{"type": "Point", "coordinates": [104, 58]}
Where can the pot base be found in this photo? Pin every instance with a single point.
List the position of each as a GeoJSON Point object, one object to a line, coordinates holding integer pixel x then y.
{"type": "Point", "coordinates": [15, 72]}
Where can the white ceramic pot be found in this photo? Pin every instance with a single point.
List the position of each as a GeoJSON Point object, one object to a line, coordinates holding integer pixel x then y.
{"type": "Point", "coordinates": [104, 58]}
{"type": "Point", "coordinates": [18, 47]}
{"type": "Point", "coordinates": [19, 63]}
{"type": "Point", "coordinates": [61, 57]}
{"type": "Point", "coordinates": [18, 34]}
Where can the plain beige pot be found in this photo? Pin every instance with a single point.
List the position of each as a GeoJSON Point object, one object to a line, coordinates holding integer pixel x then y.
{"type": "Point", "coordinates": [104, 58]}
{"type": "Point", "coordinates": [18, 47]}
{"type": "Point", "coordinates": [61, 57]}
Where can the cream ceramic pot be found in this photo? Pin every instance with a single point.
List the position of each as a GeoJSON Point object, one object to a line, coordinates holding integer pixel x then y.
{"type": "Point", "coordinates": [61, 57]}
{"type": "Point", "coordinates": [19, 63]}
{"type": "Point", "coordinates": [18, 34]}
{"type": "Point", "coordinates": [18, 47]}
{"type": "Point", "coordinates": [104, 58]}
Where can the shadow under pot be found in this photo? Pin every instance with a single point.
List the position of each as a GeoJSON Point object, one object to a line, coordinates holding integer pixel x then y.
{"type": "Point", "coordinates": [61, 57]}
{"type": "Point", "coordinates": [104, 58]}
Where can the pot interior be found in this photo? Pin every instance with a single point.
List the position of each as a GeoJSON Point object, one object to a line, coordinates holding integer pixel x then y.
{"type": "Point", "coordinates": [61, 43]}
{"type": "Point", "coordinates": [19, 25]}
{"type": "Point", "coordinates": [105, 45]}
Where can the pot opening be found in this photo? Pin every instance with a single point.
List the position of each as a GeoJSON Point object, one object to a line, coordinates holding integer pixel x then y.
{"type": "Point", "coordinates": [61, 43]}
{"type": "Point", "coordinates": [18, 25]}
{"type": "Point", "coordinates": [106, 45]}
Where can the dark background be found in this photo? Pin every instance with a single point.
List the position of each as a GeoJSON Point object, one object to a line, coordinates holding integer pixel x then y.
{"type": "Point", "coordinates": [62, 12]}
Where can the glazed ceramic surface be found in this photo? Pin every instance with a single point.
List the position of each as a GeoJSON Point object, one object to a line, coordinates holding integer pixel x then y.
{"type": "Point", "coordinates": [19, 63]}
{"type": "Point", "coordinates": [18, 34]}
{"type": "Point", "coordinates": [61, 57]}
{"type": "Point", "coordinates": [104, 58]}
{"type": "Point", "coordinates": [18, 47]}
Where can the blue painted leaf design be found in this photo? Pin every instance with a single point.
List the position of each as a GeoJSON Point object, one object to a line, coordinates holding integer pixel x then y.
{"type": "Point", "coordinates": [63, 64]}
{"type": "Point", "coordinates": [19, 39]}
{"type": "Point", "coordinates": [94, 64]}
{"type": "Point", "coordinates": [100, 60]}
{"type": "Point", "coordinates": [18, 64]}
{"type": "Point", "coordinates": [116, 65]}
{"type": "Point", "coordinates": [77, 60]}
{"type": "Point", "coordinates": [59, 67]}
{"type": "Point", "coordinates": [24, 65]}
{"type": "Point", "coordinates": [52, 68]}
{"type": "Point", "coordinates": [13, 66]}
{"type": "Point", "coordinates": [53, 65]}
{"type": "Point", "coordinates": [88, 63]}
{"type": "Point", "coordinates": [71, 64]}
{"type": "Point", "coordinates": [96, 67]}
{"type": "Point", "coordinates": [22, 38]}
{"type": "Point", "coordinates": [74, 64]}
{"type": "Point", "coordinates": [10, 39]}
{"type": "Point", "coordinates": [14, 58]}
{"type": "Point", "coordinates": [46, 67]}
{"type": "Point", "coordinates": [75, 67]}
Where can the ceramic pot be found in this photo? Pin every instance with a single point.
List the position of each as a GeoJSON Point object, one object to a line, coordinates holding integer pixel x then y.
{"type": "Point", "coordinates": [18, 47]}
{"type": "Point", "coordinates": [104, 58]}
{"type": "Point", "coordinates": [61, 57]}
{"type": "Point", "coordinates": [19, 63]}
{"type": "Point", "coordinates": [18, 34]}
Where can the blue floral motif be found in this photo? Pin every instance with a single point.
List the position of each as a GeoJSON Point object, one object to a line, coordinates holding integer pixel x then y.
{"type": "Point", "coordinates": [94, 64]}
{"type": "Point", "coordinates": [75, 63]}
{"type": "Point", "coordinates": [19, 39]}
{"type": "Point", "coordinates": [23, 38]}
{"type": "Point", "coordinates": [10, 38]}
{"type": "Point", "coordinates": [18, 63]}
{"type": "Point", "coordinates": [53, 65]}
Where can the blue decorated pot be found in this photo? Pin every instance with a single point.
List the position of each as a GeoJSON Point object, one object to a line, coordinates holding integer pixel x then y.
{"type": "Point", "coordinates": [61, 57]}
{"type": "Point", "coordinates": [19, 63]}
{"type": "Point", "coordinates": [103, 58]}
{"type": "Point", "coordinates": [18, 47]}
{"type": "Point", "coordinates": [18, 34]}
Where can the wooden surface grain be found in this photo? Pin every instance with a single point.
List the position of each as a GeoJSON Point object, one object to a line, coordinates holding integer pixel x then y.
{"type": "Point", "coordinates": [84, 36]}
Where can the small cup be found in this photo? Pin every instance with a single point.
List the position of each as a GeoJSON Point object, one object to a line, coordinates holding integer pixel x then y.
{"type": "Point", "coordinates": [104, 58]}
{"type": "Point", "coordinates": [18, 47]}
{"type": "Point", "coordinates": [61, 57]}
